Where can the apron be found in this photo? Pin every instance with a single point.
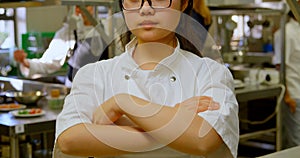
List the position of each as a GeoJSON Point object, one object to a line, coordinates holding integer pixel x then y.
{"type": "Point", "coordinates": [83, 55]}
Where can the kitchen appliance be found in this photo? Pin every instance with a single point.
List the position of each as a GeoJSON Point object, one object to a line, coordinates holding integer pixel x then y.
{"type": "Point", "coordinates": [5, 61]}
{"type": "Point", "coordinates": [268, 76]}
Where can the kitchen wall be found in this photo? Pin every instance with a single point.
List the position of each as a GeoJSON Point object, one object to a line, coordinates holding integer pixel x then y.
{"type": "Point", "coordinates": [45, 19]}
{"type": "Point", "coordinates": [39, 19]}
{"type": "Point", "coordinates": [225, 2]}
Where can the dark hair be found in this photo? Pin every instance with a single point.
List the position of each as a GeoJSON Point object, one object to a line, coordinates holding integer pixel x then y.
{"type": "Point", "coordinates": [184, 43]}
{"type": "Point", "coordinates": [290, 14]}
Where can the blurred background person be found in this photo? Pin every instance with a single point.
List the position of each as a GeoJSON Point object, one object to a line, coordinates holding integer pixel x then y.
{"type": "Point", "coordinates": [291, 107]}
{"type": "Point", "coordinates": [201, 13]}
{"type": "Point", "coordinates": [201, 21]}
{"type": "Point", "coordinates": [77, 42]}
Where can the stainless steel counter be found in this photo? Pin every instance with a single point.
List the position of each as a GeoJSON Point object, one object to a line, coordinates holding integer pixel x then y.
{"type": "Point", "coordinates": [287, 153]}
{"type": "Point", "coordinates": [13, 127]}
{"type": "Point", "coordinates": [254, 92]}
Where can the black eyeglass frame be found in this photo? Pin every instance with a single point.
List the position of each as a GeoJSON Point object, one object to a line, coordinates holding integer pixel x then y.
{"type": "Point", "coordinates": [150, 3]}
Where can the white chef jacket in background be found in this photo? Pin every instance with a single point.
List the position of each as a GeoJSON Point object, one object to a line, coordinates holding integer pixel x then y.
{"type": "Point", "coordinates": [292, 56]}
{"type": "Point", "coordinates": [55, 56]}
{"type": "Point", "coordinates": [178, 77]}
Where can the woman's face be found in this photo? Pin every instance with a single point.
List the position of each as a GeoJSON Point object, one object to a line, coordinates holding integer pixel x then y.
{"type": "Point", "coordinates": [150, 25]}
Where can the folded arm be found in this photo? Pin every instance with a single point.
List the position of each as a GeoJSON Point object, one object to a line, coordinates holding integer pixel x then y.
{"type": "Point", "coordinates": [173, 126]}
{"type": "Point", "coordinates": [102, 140]}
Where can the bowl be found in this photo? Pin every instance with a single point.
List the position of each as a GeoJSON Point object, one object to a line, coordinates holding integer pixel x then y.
{"type": "Point", "coordinates": [55, 102]}
{"type": "Point", "coordinates": [29, 97]}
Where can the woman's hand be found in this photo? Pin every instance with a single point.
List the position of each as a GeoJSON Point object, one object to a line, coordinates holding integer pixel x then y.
{"type": "Point", "coordinates": [290, 102]}
{"type": "Point", "coordinates": [199, 104]}
{"type": "Point", "coordinates": [20, 56]}
{"type": "Point", "coordinates": [107, 113]}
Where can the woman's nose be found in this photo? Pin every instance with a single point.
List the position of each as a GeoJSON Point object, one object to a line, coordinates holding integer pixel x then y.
{"type": "Point", "coordinates": [146, 9]}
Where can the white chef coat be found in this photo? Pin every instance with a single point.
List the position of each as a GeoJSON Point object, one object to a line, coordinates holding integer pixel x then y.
{"type": "Point", "coordinates": [54, 57]}
{"type": "Point", "coordinates": [176, 78]}
{"type": "Point", "coordinates": [292, 56]}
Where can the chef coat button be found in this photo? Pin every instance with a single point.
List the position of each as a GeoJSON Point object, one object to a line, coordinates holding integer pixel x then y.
{"type": "Point", "coordinates": [127, 77]}
{"type": "Point", "coordinates": [173, 79]}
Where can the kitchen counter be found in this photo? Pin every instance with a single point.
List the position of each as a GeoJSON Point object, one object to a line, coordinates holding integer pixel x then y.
{"type": "Point", "coordinates": [13, 127]}
{"type": "Point", "coordinates": [254, 92]}
{"type": "Point", "coordinates": [287, 153]}
{"type": "Point", "coordinates": [8, 120]}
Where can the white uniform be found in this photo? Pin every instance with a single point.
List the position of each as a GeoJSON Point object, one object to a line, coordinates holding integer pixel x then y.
{"type": "Point", "coordinates": [54, 57]}
{"type": "Point", "coordinates": [291, 121]}
{"type": "Point", "coordinates": [178, 77]}
{"type": "Point", "coordinates": [292, 56]}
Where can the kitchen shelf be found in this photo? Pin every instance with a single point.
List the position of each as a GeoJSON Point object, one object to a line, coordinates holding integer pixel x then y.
{"type": "Point", "coordinates": [252, 93]}
{"type": "Point", "coordinates": [20, 4]}
{"type": "Point", "coordinates": [278, 9]}
{"type": "Point", "coordinates": [252, 8]}
{"type": "Point", "coordinates": [89, 2]}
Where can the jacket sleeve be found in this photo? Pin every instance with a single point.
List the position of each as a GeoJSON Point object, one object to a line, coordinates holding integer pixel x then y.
{"type": "Point", "coordinates": [54, 57]}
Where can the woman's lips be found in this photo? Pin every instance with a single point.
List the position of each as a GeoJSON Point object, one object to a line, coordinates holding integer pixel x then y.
{"type": "Point", "coordinates": [148, 24]}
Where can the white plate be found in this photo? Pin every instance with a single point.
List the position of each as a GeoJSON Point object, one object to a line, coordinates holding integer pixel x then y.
{"type": "Point", "coordinates": [9, 107]}
{"type": "Point", "coordinates": [17, 114]}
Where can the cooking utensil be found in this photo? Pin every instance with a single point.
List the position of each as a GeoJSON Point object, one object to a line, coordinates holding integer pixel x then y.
{"type": "Point", "coordinates": [29, 97]}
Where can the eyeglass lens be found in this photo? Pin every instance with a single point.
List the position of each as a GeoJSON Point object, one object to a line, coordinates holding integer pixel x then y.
{"type": "Point", "coordinates": [137, 4]}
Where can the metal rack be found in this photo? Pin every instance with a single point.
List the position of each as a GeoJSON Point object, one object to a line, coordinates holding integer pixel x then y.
{"type": "Point", "coordinates": [265, 8]}
{"type": "Point", "coordinates": [248, 93]}
{"type": "Point", "coordinates": [108, 3]}
{"type": "Point", "coordinates": [252, 8]}
{"type": "Point", "coordinates": [20, 4]}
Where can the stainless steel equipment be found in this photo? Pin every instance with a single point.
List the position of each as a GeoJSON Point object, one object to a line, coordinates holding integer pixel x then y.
{"type": "Point", "coordinates": [247, 48]}
{"type": "Point", "coordinates": [30, 97]}
{"type": "Point", "coordinates": [5, 62]}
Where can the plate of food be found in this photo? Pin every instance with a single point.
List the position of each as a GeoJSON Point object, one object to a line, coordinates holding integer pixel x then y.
{"type": "Point", "coordinates": [33, 112]}
{"type": "Point", "coordinates": [11, 106]}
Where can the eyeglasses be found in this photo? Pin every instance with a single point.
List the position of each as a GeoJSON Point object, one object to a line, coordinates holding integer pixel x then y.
{"type": "Point", "coordinates": [132, 5]}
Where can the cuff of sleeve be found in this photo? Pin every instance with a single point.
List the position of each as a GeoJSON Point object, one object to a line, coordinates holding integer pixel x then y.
{"type": "Point", "coordinates": [24, 70]}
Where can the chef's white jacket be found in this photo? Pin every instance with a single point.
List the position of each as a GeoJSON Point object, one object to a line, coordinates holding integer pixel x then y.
{"type": "Point", "coordinates": [292, 56]}
{"type": "Point", "coordinates": [55, 55]}
{"type": "Point", "coordinates": [176, 78]}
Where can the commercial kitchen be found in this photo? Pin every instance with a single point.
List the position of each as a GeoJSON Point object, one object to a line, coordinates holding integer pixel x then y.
{"type": "Point", "coordinates": [243, 32]}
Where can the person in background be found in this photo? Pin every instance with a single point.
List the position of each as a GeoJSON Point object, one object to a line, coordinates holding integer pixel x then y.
{"type": "Point", "coordinates": [77, 32]}
{"type": "Point", "coordinates": [291, 107]}
{"type": "Point", "coordinates": [154, 100]}
{"type": "Point", "coordinates": [201, 13]}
